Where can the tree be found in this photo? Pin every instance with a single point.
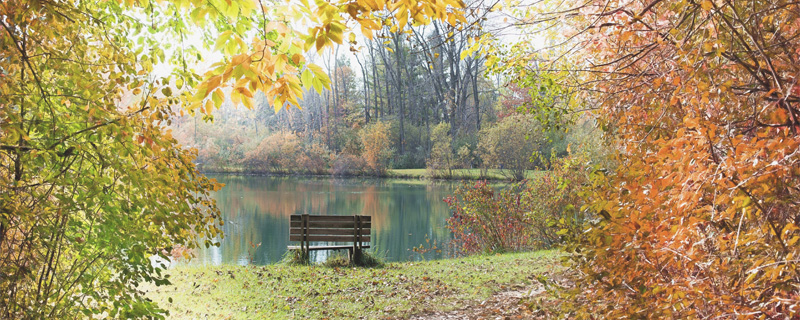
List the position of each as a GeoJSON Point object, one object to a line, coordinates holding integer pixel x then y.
{"type": "Point", "coordinates": [700, 220]}
{"type": "Point", "coordinates": [512, 145]}
{"type": "Point", "coordinates": [442, 160]}
{"type": "Point", "coordinates": [377, 148]}
{"type": "Point", "coordinates": [92, 183]}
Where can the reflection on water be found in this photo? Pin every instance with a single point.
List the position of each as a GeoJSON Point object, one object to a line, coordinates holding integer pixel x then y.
{"type": "Point", "coordinates": [257, 209]}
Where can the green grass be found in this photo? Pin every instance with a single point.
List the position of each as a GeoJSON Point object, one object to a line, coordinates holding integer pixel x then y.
{"type": "Point", "coordinates": [458, 174]}
{"type": "Point", "coordinates": [284, 291]}
{"type": "Point", "coordinates": [469, 174]}
{"type": "Point", "coordinates": [408, 173]}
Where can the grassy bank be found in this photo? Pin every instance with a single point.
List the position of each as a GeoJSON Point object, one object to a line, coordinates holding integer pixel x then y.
{"type": "Point", "coordinates": [317, 292]}
{"type": "Point", "coordinates": [458, 174]}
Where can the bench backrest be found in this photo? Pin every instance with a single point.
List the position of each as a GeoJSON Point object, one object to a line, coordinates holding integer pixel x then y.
{"type": "Point", "coordinates": [329, 228]}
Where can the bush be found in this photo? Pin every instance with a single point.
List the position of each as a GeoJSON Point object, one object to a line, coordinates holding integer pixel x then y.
{"type": "Point", "coordinates": [294, 258]}
{"type": "Point", "coordinates": [275, 153]}
{"type": "Point", "coordinates": [377, 147]}
{"type": "Point", "coordinates": [442, 160]}
{"type": "Point", "coordinates": [554, 200]}
{"type": "Point", "coordinates": [487, 220]}
{"type": "Point", "coordinates": [465, 146]}
{"type": "Point", "coordinates": [315, 158]}
{"type": "Point", "coordinates": [362, 259]}
{"type": "Point", "coordinates": [286, 152]}
{"type": "Point", "coordinates": [465, 157]}
{"type": "Point", "coordinates": [512, 145]}
{"type": "Point", "coordinates": [528, 215]}
{"type": "Point", "coordinates": [349, 165]}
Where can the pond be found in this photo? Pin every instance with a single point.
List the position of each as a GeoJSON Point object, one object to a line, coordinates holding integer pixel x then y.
{"type": "Point", "coordinates": [256, 209]}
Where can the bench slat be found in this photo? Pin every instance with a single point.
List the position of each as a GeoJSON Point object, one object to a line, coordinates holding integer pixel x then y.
{"type": "Point", "coordinates": [333, 232]}
{"type": "Point", "coordinates": [297, 217]}
{"type": "Point", "coordinates": [332, 224]}
{"type": "Point", "coordinates": [349, 238]}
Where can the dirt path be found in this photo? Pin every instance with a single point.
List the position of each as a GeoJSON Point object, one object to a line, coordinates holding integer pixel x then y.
{"type": "Point", "coordinates": [502, 305]}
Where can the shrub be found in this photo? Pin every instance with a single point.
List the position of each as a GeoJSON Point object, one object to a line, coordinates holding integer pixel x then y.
{"type": "Point", "coordinates": [315, 158]}
{"type": "Point", "coordinates": [554, 201]}
{"type": "Point", "coordinates": [488, 220]}
{"type": "Point", "coordinates": [512, 145]}
{"type": "Point", "coordinates": [349, 165]}
{"type": "Point", "coordinates": [465, 157]}
{"type": "Point", "coordinates": [286, 152]}
{"type": "Point", "coordinates": [377, 147]}
{"type": "Point", "coordinates": [527, 215]}
{"type": "Point", "coordinates": [442, 160]}
{"type": "Point", "coordinates": [276, 152]}
{"type": "Point", "coordinates": [362, 259]}
{"type": "Point", "coordinates": [701, 220]}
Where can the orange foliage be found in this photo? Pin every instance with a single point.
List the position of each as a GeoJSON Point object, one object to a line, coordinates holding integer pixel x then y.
{"type": "Point", "coordinates": [276, 152]}
{"type": "Point", "coordinates": [377, 146]}
{"type": "Point", "coordinates": [701, 218]}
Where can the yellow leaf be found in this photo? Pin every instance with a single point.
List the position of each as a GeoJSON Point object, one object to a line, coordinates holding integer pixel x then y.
{"type": "Point", "coordinates": [218, 97]}
{"type": "Point", "coordinates": [367, 32]}
{"type": "Point", "coordinates": [239, 59]}
{"type": "Point", "coordinates": [248, 103]}
{"type": "Point", "coordinates": [451, 19]}
{"type": "Point", "coordinates": [244, 91]}
{"type": "Point", "coordinates": [208, 107]}
{"type": "Point", "coordinates": [320, 43]}
{"type": "Point", "coordinates": [707, 5]}
{"type": "Point", "coordinates": [335, 36]}
{"type": "Point", "coordinates": [307, 78]}
{"type": "Point", "coordinates": [222, 39]}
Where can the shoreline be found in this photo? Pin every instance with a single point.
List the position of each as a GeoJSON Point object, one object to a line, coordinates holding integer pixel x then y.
{"type": "Point", "coordinates": [494, 175]}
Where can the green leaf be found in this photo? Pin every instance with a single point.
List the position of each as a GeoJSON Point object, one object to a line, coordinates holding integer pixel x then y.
{"type": "Point", "coordinates": [307, 78]}
{"type": "Point", "coordinates": [218, 97]}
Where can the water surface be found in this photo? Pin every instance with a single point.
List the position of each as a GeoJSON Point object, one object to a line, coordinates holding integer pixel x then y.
{"type": "Point", "coordinates": [256, 209]}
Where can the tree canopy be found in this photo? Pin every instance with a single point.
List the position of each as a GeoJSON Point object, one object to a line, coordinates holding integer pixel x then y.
{"type": "Point", "coordinates": [700, 217]}
{"type": "Point", "coordinates": [94, 188]}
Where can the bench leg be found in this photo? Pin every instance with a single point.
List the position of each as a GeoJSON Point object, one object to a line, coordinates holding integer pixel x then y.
{"type": "Point", "coordinates": [355, 255]}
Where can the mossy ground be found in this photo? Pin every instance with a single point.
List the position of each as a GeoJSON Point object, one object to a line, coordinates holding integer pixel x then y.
{"type": "Point", "coordinates": [284, 291]}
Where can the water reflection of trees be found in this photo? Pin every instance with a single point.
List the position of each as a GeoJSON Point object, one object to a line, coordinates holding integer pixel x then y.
{"type": "Point", "coordinates": [257, 210]}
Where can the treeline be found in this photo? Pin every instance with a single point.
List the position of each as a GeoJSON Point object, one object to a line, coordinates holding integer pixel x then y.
{"type": "Point", "coordinates": [432, 108]}
{"type": "Point", "coordinates": [513, 143]}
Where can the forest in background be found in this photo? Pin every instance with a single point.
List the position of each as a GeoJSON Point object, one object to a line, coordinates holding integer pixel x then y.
{"type": "Point", "coordinates": [410, 101]}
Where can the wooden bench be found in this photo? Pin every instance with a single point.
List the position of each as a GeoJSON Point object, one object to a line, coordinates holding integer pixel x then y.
{"type": "Point", "coordinates": [315, 228]}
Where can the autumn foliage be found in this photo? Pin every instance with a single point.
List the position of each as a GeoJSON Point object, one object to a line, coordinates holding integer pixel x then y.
{"type": "Point", "coordinates": [377, 152]}
{"type": "Point", "coordinates": [488, 220]}
{"type": "Point", "coordinates": [532, 214]}
{"type": "Point", "coordinates": [700, 220]}
{"type": "Point", "coordinates": [93, 186]}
